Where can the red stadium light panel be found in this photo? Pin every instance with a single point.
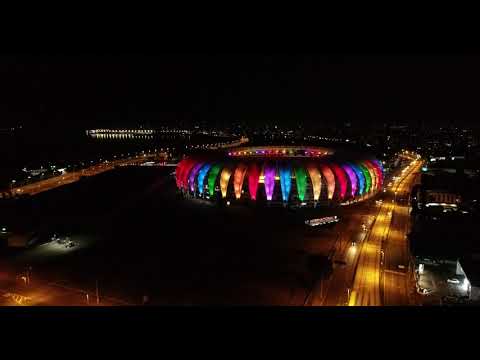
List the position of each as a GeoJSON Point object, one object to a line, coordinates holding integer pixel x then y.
{"type": "Point", "coordinates": [253, 177]}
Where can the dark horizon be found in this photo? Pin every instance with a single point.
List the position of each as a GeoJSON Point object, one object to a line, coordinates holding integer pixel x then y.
{"type": "Point", "coordinates": [85, 91]}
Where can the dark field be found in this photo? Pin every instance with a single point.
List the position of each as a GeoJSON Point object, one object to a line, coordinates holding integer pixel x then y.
{"type": "Point", "coordinates": [138, 238]}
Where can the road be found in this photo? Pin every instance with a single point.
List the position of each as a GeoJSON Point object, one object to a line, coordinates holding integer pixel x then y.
{"type": "Point", "coordinates": [369, 273]}
{"type": "Point", "coordinates": [397, 280]}
{"type": "Point", "coordinates": [68, 178]}
{"type": "Point", "coordinates": [366, 285]}
{"type": "Point", "coordinates": [382, 271]}
{"type": "Point", "coordinates": [333, 292]}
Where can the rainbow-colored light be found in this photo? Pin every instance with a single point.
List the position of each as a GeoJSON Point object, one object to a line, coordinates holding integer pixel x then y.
{"type": "Point", "coordinates": [284, 174]}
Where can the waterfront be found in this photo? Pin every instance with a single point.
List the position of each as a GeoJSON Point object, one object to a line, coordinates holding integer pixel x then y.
{"type": "Point", "coordinates": [75, 149]}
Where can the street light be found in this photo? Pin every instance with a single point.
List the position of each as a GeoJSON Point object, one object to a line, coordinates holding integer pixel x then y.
{"type": "Point", "coordinates": [96, 292]}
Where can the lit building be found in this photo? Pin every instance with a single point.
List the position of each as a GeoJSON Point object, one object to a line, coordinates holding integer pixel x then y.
{"type": "Point", "coordinates": [295, 175]}
{"type": "Point", "coordinates": [441, 197]}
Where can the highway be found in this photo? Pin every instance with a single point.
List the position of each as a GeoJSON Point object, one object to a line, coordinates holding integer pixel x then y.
{"type": "Point", "coordinates": [70, 177]}
{"type": "Point", "coordinates": [334, 290]}
{"type": "Point", "coordinates": [397, 279]}
{"type": "Point", "coordinates": [366, 285]}
{"type": "Point", "coordinates": [368, 274]}
{"type": "Point", "coordinates": [382, 271]}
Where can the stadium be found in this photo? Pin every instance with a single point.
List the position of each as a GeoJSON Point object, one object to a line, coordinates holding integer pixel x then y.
{"type": "Point", "coordinates": [288, 175]}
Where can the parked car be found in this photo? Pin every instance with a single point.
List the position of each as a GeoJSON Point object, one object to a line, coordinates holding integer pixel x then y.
{"type": "Point", "coordinates": [453, 281]}
{"type": "Point", "coordinates": [424, 291]}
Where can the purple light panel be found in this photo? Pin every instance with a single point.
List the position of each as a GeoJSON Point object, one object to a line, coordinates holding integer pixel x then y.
{"type": "Point", "coordinates": [269, 180]}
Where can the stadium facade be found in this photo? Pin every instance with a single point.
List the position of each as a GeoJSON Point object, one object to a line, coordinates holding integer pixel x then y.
{"type": "Point", "coordinates": [281, 174]}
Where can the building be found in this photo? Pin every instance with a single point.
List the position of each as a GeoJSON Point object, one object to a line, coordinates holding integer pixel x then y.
{"type": "Point", "coordinates": [301, 176]}
{"type": "Point", "coordinates": [442, 243]}
{"type": "Point", "coordinates": [442, 279]}
{"type": "Point", "coordinates": [441, 198]}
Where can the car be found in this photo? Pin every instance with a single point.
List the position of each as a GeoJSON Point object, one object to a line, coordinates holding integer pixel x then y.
{"type": "Point", "coordinates": [424, 291]}
{"type": "Point", "coordinates": [450, 300]}
{"type": "Point", "coordinates": [453, 281]}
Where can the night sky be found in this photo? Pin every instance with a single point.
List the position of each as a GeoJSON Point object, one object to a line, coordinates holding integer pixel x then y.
{"type": "Point", "coordinates": [106, 90]}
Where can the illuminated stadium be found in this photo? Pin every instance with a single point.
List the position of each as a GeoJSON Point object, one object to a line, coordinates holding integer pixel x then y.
{"type": "Point", "coordinates": [297, 176]}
